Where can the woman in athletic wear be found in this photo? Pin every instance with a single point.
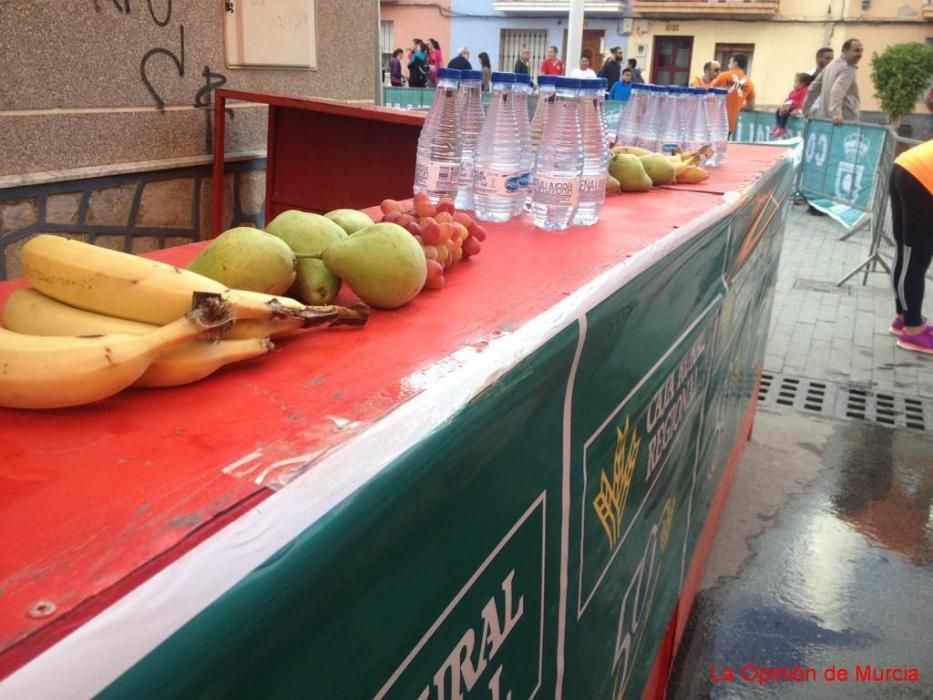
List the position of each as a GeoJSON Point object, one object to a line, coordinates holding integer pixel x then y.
{"type": "Point", "coordinates": [912, 213]}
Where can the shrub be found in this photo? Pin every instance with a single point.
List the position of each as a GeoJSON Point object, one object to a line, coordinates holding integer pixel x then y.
{"type": "Point", "coordinates": [901, 75]}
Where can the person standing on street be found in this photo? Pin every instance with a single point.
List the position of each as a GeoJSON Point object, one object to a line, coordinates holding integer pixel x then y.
{"type": "Point", "coordinates": [741, 95]}
{"type": "Point", "coordinates": [622, 90]}
{"type": "Point", "coordinates": [418, 68]}
{"type": "Point", "coordinates": [462, 60]}
{"type": "Point", "coordinates": [584, 71]}
{"type": "Point", "coordinates": [612, 69]}
{"type": "Point", "coordinates": [636, 71]}
{"type": "Point", "coordinates": [911, 188]}
{"type": "Point", "coordinates": [710, 70]}
{"type": "Point", "coordinates": [837, 87]}
{"type": "Point", "coordinates": [523, 65]}
{"type": "Point", "coordinates": [486, 66]}
{"type": "Point", "coordinates": [435, 59]}
{"type": "Point", "coordinates": [824, 57]}
{"type": "Point", "coordinates": [395, 68]}
{"type": "Point", "coordinates": [551, 65]}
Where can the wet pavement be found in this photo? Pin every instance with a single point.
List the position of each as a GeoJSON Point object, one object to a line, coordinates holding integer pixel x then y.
{"type": "Point", "coordinates": [824, 559]}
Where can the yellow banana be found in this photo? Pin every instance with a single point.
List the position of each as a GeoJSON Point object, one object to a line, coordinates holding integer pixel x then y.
{"type": "Point", "coordinates": [631, 150]}
{"type": "Point", "coordinates": [131, 287]}
{"type": "Point", "coordinates": [692, 175]}
{"type": "Point", "coordinates": [29, 312]}
{"type": "Point", "coordinates": [60, 371]}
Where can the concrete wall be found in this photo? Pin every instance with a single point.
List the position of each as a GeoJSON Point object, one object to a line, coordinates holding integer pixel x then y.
{"type": "Point", "coordinates": [419, 20]}
{"type": "Point", "coordinates": [477, 25]}
{"type": "Point", "coordinates": [787, 44]}
{"type": "Point", "coordinates": [73, 92]}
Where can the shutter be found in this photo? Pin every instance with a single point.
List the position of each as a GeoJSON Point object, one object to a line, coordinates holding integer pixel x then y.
{"type": "Point", "coordinates": [511, 42]}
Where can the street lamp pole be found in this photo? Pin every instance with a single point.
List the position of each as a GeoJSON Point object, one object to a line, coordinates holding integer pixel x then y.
{"type": "Point", "coordinates": [574, 35]}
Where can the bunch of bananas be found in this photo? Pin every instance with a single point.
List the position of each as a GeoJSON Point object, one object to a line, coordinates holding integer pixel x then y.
{"type": "Point", "coordinates": [97, 321]}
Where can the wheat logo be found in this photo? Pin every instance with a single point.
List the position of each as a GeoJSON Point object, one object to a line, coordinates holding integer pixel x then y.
{"type": "Point", "coordinates": [610, 501]}
{"type": "Point", "coordinates": [667, 520]}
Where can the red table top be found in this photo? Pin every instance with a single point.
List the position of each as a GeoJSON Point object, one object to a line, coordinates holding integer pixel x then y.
{"type": "Point", "coordinates": [94, 500]}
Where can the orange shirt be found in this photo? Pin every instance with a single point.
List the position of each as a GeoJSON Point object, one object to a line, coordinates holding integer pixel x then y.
{"type": "Point", "coordinates": [918, 161]}
{"type": "Point", "coordinates": [699, 82]}
{"type": "Point", "coordinates": [741, 90]}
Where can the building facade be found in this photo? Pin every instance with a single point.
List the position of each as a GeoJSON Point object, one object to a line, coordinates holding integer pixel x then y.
{"type": "Point", "coordinates": [675, 38]}
{"type": "Point", "coordinates": [404, 20]}
{"type": "Point", "coordinates": [502, 27]}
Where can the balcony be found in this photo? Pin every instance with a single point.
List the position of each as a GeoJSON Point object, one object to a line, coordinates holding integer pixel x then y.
{"type": "Point", "coordinates": [704, 9]}
{"type": "Point", "coordinates": [559, 7]}
{"type": "Point", "coordinates": [928, 11]}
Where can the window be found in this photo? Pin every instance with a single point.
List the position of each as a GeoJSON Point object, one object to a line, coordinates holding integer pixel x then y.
{"type": "Point", "coordinates": [386, 42]}
{"type": "Point", "coordinates": [671, 60]}
{"type": "Point", "coordinates": [511, 42]}
{"type": "Point", "coordinates": [724, 51]}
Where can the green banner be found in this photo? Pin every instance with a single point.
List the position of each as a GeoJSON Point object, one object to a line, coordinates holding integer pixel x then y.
{"type": "Point", "coordinates": [536, 544]}
{"type": "Point", "coordinates": [756, 127]}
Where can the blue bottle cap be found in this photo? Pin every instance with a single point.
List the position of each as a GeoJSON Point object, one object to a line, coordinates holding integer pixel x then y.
{"type": "Point", "coordinates": [522, 78]}
{"type": "Point", "coordinates": [449, 73]}
{"type": "Point", "coordinates": [503, 77]}
{"type": "Point", "coordinates": [470, 74]}
{"type": "Point", "coordinates": [592, 83]}
{"type": "Point", "coordinates": [547, 80]}
{"type": "Point", "coordinates": [605, 83]}
{"type": "Point", "coordinates": [569, 83]}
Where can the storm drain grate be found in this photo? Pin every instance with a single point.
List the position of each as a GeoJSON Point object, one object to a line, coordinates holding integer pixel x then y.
{"type": "Point", "coordinates": [845, 401]}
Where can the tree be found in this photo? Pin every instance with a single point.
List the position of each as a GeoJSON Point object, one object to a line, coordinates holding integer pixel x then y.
{"type": "Point", "coordinates": [901, 75]}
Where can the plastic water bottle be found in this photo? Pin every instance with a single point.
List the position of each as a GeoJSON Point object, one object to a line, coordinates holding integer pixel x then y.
{"type": "Point", "coordinates": [718, 124]}
{"type": "Point", "coordinates": [647, 136]}
{"type": "Point", "coordinates": [632, 117]}
{"type": "Point", "coordinates": [559, 161]}
{"type": "Point", "coordinates": [592, 188]}
{"type": "Point", "coordinates": [471, 123]}
{"type": "Point", "coordinates": [695, 120]}
{"type": "Point", "coordinates": [547, 87]}
{"type": "Point", "coordinates": [522, 88]}
{"type": "Point", "coordinates": [601, 108]}
{"type": "Point", "coordinates": [498, 161]}
{"type": "Point", "coordinates": [671, 134]}
{"type": "Point", "coordinates": [437, 167]}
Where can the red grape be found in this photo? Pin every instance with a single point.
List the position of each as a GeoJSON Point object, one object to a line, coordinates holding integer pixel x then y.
{"type": "Point", "coordinates": [423, 206]}
{"type": "Point", "coordinates": [471, 247]}
{"type": "Point", "coordinates": [413, 228]}
{"type": "Point", "coordinates": [446, 232]}
{"type": "Point", "coordinates": [430, 252]}
{"type": "Point", "coordinates": [430, 230]}
{"type": "Point", "coordinates": [464, 220]}
{"type": "Point", "coordinates": [404, 220]}
{"type": "Point", "coordinates": [435, 278]}
{"type": "Point", "coordinates": [446, 205]}
{"type": "Point", "coordinates": [390, 205]}
{"type": "Point", "coordinates": [392, 217]}
{"type": "Point", "coordinates": [478, 232]}
{"type": "Point", "coordinates": [444, 217]}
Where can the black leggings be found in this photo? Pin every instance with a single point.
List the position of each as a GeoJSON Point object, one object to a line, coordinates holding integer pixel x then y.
{"type": "Point", "coordinates": [912, 214]}
{"type": "Point", "coordinates": [781, 119]}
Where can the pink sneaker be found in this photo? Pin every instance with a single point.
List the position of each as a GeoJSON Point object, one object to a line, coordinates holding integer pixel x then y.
{"type": "Point", "coordinates": [922, 342]}
{"type": "Point", "coordinates": [897, 326]}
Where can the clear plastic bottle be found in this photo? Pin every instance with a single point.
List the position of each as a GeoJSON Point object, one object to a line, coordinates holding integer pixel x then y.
{"type": "Point", "coordinates": [498, 161]}
{"type": "Point", "coordinates": [647, 126]}
{"type": "Point", "coordinates": [437, 167]}
{"type": "Point", "coordinates": [671, 133]}
{"type": "Point", "coordinates": [695, 122]}
{"type": "Point", "coordinates": [601, 107]}
{"type": "Point", "coordinates": [718, 123]}
{"type": "Point", "coordinates": [547, 88]}
{"type": "Point", "coordinates": [471, 123]}
{"type": "Point", "coordinates": [522, 89]}
{"type": "Point", "coordinates": [592, 187]}
{"type": "Point", "coordinates": [632, 117]}
{"type": "Point", "coordinates": [559, 161]}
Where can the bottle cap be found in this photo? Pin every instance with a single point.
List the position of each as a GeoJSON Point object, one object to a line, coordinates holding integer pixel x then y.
{"type": "Point", "coordinates": [448, 73]}
{"type": "Point", "coordinates": [470, 74]}
{"type": "Point", "coordinates": [503, 77]}
{"type": "Point", "coordinates": [522, 78]}
{"type": "Point", "coordinates": [605, 83]}
{"type": "Point", "coordinates": [569, 83]}
{"type": "Point", "coordinates": [547, 80]}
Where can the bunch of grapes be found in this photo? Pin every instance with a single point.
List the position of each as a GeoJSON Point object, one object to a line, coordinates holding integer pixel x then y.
{"type": "Point", "coordinates": [445, 234]}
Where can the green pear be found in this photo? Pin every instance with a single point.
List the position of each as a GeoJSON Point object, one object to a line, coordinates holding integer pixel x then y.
{"type": "Point", "coordinates": [612, 185]}
{"type": "Point", "coordinates": [350, 220]}
{"type": "Point", "coordinates": [630, 173]}
{"type": "Point", "coordinates": [315, 285]}
{"type": "Point", "coordinates": [383, 264]}
{"type": "Point", "coordinates": [247, 258]}
{"type": "Point", "coordinates": [305, 233]}
{"type": "Point", "coordinates": [659, 169]}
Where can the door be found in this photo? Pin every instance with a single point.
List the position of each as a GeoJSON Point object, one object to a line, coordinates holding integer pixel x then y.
{"type": "Point", "coordinates": [592, 47]}
{"type": "Point", "coordinates": [511, 43]}
{"type": "Point", "coordinates": [670, 63]}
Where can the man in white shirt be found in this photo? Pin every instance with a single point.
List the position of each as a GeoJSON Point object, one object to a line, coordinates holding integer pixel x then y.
{"type": "Point", "coordinates": [823, 58]}
{"type": "Point", "coordinates": [584, 71]}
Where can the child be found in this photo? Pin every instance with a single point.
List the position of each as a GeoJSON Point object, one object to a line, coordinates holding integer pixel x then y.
{"type": "Point", "coordinates": [622, 90]}
{"type": "Point", "coordinates": [792, 105]}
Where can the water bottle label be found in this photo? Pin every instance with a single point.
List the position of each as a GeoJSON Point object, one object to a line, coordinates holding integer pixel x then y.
{"type": "Point", "coordinates": [558, 192]}
{"type": "Point", "coordinates": [592, 189]}
{"type": "Point", "coordinates": [492, 182]}
{"type": "Point", "coordinates": [436, 176]}
{"type": "Point", "coordinates": [668, 148]}
{"type": "Point", "coordinates": [524, 179]}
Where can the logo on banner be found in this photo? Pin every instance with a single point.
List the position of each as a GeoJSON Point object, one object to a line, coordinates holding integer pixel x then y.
{"type": "Point", "coordinates": [610, 501]}
{"type": "Point", "coordinates": [850, 172]}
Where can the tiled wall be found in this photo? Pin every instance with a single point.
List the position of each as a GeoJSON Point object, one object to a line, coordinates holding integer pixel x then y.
{"type": "Point", "coordinates": [136, 212]}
